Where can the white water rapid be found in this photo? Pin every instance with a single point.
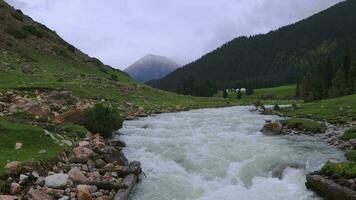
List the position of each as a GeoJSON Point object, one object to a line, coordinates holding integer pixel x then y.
{"type": "Point", "coordinates": [219, 154]}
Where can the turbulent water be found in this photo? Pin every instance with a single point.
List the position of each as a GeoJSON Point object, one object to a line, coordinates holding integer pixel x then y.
{"type": "Point", "coordinates": [214, 154]}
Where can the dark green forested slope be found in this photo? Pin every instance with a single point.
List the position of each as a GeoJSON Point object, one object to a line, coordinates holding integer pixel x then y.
{"type": "Point", "coordinates": [276, 58]}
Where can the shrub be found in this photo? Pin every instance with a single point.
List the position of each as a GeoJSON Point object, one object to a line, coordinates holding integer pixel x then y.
{"type": "Point", "coordinates": [74, 130]}
{"type": "Point", "coordinates": [349, 134]}
{"type": "Point", "coordinates": [71, 48]}
{"type": "Point", "coordinates": [102, 119]}
{"type": "Point", "coordinates": [24, 115]}
{"type": "Point", "coordinates": [343, 169]}
{"type": "Point", "coordinates": [17, 33]}
{"type": "Point", "coordinates": [95, 61]}
{"type": "Point", "coordinates": [276, 107]}
{"type": "Point", "coordinates": [114, 77]}
{"type": "Point", "coordinates": [104, 70]}
{"type": "Point", "coordinates": [32, 30]}
{"type": "Point", "coordinates": [2, 129]}
{"type": "Point", "coordinates": [351, 155]}
{"type": "Point", "coordinates": [17, 15]}
{"type": "Point", "coordinates": [304, 124]}
{"type": "Point", "coordinates": [259, 104]}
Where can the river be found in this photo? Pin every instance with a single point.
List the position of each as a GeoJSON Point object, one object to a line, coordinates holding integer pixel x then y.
{"type": "Point", "coordinates": [219, 154]}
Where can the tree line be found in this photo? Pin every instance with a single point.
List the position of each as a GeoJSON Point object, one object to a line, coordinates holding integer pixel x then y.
{"type": "Point", "coordinates": [193, 87]}
{"type": "Point", "coordinates": [329, 79]}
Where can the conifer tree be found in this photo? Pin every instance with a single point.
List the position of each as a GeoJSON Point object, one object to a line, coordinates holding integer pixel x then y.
{"type": "Point", "coordinates": [239, 94]}
{"type": "Point", "coordinates": [339, 87]}
{"type": "Point", "coordinates": [225, 94]}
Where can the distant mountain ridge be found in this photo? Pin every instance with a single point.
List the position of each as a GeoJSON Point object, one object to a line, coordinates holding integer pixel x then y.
{"type": "Point", "coordinates": [276, 58]}
{"type": "Point", "coordinates": [151, 67]}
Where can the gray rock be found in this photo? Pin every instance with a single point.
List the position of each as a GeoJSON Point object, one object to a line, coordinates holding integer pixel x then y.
{"type": "Point", "coordinates": [23, 179]}
{"type": "Point", "coordinates": [57, 180]}
{"type": "Point", "coordinates": [277, 171]}
{"type": "Point", "coordinates": [329, 189]}
{"type": "Point", "coordinates": [26, 69]}
{"type": "Point", "coordinates": [272, 128]}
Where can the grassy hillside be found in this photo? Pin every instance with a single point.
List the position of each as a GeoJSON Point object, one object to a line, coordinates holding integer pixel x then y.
{"type": "Point", "coordinates": [336, 110]}
{"type": "Point", "coordinates": [281, 92]}
{"type": "Point", "coordinates": [35, 57]}
{"type": "Point", "coordinates": [276, 58]}
{"type": "Point", "coordinates": [32, 139]}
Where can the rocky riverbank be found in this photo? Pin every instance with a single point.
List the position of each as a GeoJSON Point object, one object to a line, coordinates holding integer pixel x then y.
{"type": "Point", "coordinates": [95, 169]}
{"type": "Point", "coordinates": [326, 184]}
{"type": "Point", "coordinates": [91, 168]}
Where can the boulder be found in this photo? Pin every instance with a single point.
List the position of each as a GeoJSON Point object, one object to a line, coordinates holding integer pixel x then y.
{"type": "Point", "coordinates": [7, 197]}
{"type": "Point", "coordinates": [328, 189]}
{"type": "Point", "coordinates": [272, 128]}
{"type": "Point", "coordinates": [12, 165]}
{"type": "Point", "coordinates": [278, 170]}
{"type": "Point", "coordinates": [99, 163]}
{"type": "Point", "coordinates": [83, 153]}
{"type": "Point", "coordinates": [23, 179]}
{"type": "Point", "coordinates": [117, 143]}
{"type": "Point", "coordinates": [39, 195]}
{"type": "Point", "coordinates": [26, 69]}
{"type": "Point", "coordinates": [15, 188]}
{"type": "Point", "coordinates": [56, 180]}
{"type": "Point", "coordinates": [76, 175]}
{"type": "Point", "coordinates": [84, 143]}
{"type": "Point", "coordinates": [83, 192]}
{"type": "Point", "coordinates": [114, 155]}
{"type": "Point", "coordinates": [18, 145]}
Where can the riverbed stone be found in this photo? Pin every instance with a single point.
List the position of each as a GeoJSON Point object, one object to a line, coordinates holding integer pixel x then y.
{"type": "Point", "coordinates": [272, 128]}
{"type": "Point", "coordinates": [39, 195]}
{"type": "Point", "coordinates": [76, 175]}
{"type": "Point", "coordinates": [83, 192]}
{"type": "Point", "coordinates": [12, 165]}
{"type": "Point", "coordinates": [57, 180]}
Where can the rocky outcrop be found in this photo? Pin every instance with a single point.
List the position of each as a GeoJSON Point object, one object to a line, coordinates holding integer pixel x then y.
{"type": "Point", "coordinates": [329, 189]}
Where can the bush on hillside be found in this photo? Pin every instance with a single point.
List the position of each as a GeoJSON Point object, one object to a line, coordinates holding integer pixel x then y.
{"type": "Point", "coordinates": [351, 155]}
{"type": "Point", "coordinates": [114, 77]}
{"type": "Point", "coordinates": [102, 119]}
{"type": "Point", "coordinates": [17, 15]}
{"type": "Point", "coordinates": [17, 33]}
{"type": "Point", "coordinates": [32, 30]}
{"type": "Point", "coordinates": [349, 134]}
{"type": "Point", "coordinates": [74, 130]}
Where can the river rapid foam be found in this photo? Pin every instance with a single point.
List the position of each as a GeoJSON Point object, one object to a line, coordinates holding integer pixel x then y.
{"type": "Point", "coordinates": [213, 154]}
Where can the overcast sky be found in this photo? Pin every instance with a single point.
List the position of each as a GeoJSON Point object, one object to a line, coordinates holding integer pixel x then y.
{"type": "Point", "coordinates": [119, 32]}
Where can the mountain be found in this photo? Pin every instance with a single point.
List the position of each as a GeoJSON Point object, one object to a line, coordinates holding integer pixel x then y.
{"type": "Point", "coordinates": [35, 58]}
{"type": "Point", "coordinates": [276, 58]}
{"type": "Point", "coordinates": [151, 67]}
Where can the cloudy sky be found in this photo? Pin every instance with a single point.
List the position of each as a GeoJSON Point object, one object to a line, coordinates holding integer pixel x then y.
{"type": "Point", "coordinates": [121, 31]}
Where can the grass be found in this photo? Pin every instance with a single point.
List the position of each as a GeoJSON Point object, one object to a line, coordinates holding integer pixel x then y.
{"type": "Point", "coordinates": [74, 130]}
{"type": "Point", "coordinates": [304, 125]}
{"type": "Point", "coordinates": [32, 138]}
{"type": "Point", "coordinates": [286, 92]}
{"type": "Point", "coordinates": [349, 134]}
{"type": "Point", "coordinates": [336, 110]}
{"type": "Point", "coordinates": [343, 169]}
{"type": "Point", "coordinates": [87, 80]}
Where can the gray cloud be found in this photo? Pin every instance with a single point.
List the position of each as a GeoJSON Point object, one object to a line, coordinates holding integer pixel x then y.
{"type": "Point", "coordinates": [121, 31]}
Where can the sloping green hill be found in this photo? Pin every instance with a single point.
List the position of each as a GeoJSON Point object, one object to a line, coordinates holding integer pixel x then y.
{"type": "Point", "coordinates": [35, 57]}
{"type": "Point", "coordinates": [276, 58]}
